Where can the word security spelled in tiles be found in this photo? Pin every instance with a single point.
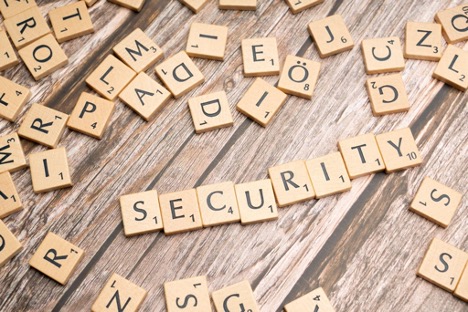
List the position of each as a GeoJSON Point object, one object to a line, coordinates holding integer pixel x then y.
{"type": "Point", "coordinates": [382, 55]}
{"type": "Point", "coordinates": [299, 76]}
{"type": "Point", "coordinates": [210, 112]}
{"type": "Point", "coordinates": [238, 296]}
{"type": "Point", "coordinates": [11, 153]}
{"type": "Point", "coordinates": [190, 294]}
{"type": "Point", "coordinates": [71, 21]}
{"type": "Point", "coordinates": [453, 23]}
{"type": "Point", "coordinates": [256, 202]}
{"type": "Point", "coordinates": [11, 8]}
{"type": "Point", "coordinates": [207, 41]}
{"type": "Point", "coordinates": [314, 301]}
{"type": "Point", "coordinates": [195, 5]}
{"type": "Point", "coordinates": [331, 36]}
{"type": "Point", "coordinates": [387, 94]}
{"type": "Point", "coordinates": [10, 201]}
{"type": "Point", "coordinates": [134, 5]}
{"type": "Point", "coordinates": [8, 56]}
{"type": "Point", "coordinates": [260, 56]}
{"type": "Point", "coordinates": [12, 98]}
{"type": "Point", "coordinates": [452, 68]}
{"type": "Point", "coordinates": [10, 246]}
{"type": "Point", "coordinates": [462, 288]}
{"type": "Point", "coordinates": [238, 4]}
{"type": "Point", "coordinates": [301, 5]}
{"type": "Point", "coordinates": [423, 41]}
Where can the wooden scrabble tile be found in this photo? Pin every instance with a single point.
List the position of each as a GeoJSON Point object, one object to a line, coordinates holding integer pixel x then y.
{"type": "Point", "coordinates": [261, 102]}
{"type": "Point", "coordinates": [301, 5]}
{"type": "Point", "coordinates": [90, 3]}
{"type": "Point", "coordinates": [134, 5]}
{"type": "Point", "coordinates": [218, 204]}
{"type": "Point", "coordinates": [423, 41]}
{"type": "Point", "coordinates": [118, 295]}
{"type": "Point", "coordinates": [71, 21]}
{"type": "Point", "coordinates": [56, 258]}
{"type": "Point", "coordinates": [207, 41]}
{"type": "Point", "coordinates": [331, 36]}
{"type": "Point", "coordinates": [10, 202]}
{"type": "Point", "coordinates": [141, 213]}
{"type": "Point", "coordinates": [238, 4]}
{"type": "Point", "coordinates": [443, 265]}
{"type": "Point", "coordinates": [260, 56]}
{"type": "Point", "coordinates": [328, 175]}
{"type": "Point", "coordinates": [26, 27]}
{"type": "Point", "coordinates": [452, 68]}
{"type": "Point", "coordinates": [436, 202]}
{"type": "Point", "coordinates": [314, 301]}
{"type": "Point", "coordinates": [110, 77]}
{"type": "Point", "coordinates": [195, 5]}
{"type": "Point", "coordinates": [91, 115]}
{"type": "Point", "coordinates": [399, 150]}
{"type": "Point", "coordinates": [237, 296]}
{"type": "Point", "coordinates": [8, 56]}
{"type": "Point", "coordinates": [462, 288]}
{"type": "Point", "coordinates": [11, 8]}
{"type": "Point", "coordinates": [43, 57]}
{"type": "Point", "coordinates": [299, 76]}
{"type": "Point", "coordinates": [11, 153]}
{"type": "Point", "coordinates": [387, 94]}
{"type": "Point", "coordinates": [189, 294]}
{"type": "Point", "coordinates": [180, 212]}
{"type": "Point", "coordinates": [43, 125]}
{"type": "Point", "coordinates": [210, 112]}
{"type": "Point", "coordinates": [453, 23]}
{"type": "Point", "coordinates": [138, 51]}
{"type": "Point", "coordinates": [145, 96]}
{"type": "Point", "coordinates": [256, 201]}
{"type": "Point", "coordinates": [9, 244]}
{"type": "Point", "coordinates": [49, 170]}
{"type": "Point", "coordinates": [180, 74]}
{"type": "Point", "coordinates": [382, 55]}
{"type": "Point", "coordinates": [12, 98]}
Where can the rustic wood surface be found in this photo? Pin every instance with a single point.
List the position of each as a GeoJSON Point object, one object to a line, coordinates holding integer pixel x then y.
{"type": "Point", "coordinates": [363, 247]}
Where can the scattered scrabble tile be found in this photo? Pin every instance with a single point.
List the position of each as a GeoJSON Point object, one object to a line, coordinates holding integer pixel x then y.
{"type": "Point", "coordinates": [56, 258]}
{"type": "Point", "coordinates": [110, 77]}
{"type": "Point", "coordinates": [90, 2]}
{"type": "Point", "coordinates": [218, 204]}
{"type": "Point", "coordinates": [9, 244]}
{"type": "Point", "coordinates": [238, 4]}
{"type": "Point", "coordinates": [453, 22]}
{"type": "Point", "coordinates": [423, 41]}
{"type": "Point", "coordinates": [141, 213]}
{"type": "Point", "coordinates": [12, 98]}
{"type": "Point", "coordinates": [328, 175]}
{"type": "Point", "coordinates": [145, 96]}
{"type": "Point", "coordinates": [301, 5]}
{"type": "Point", "coordinates": [387, 94]}
{"type": "Point", "coordinates": [180, 74]}
{"type": "Point", "coordinates": [134, 5]}
{"type": "Point", "coordinates": [314, 301]}
{"type": "Point", "coordinates": [71, 21]}
{"type": "Point", "coordinates": [256, 201]}
{"type": "Point", "coordinates": [382, 55]}
{"type": "Point", "coordinates": [49, 170]}
{"type": "Point", "coordinates": [452, 68]}
{"type": "Point", "coordinates": [8, 56]}
{"type": "Point", "coordinates": [43, 125]}
{"type": "Point", "coordinates": [11, 153]}
{"type": "Point", "coordinates": [91, 115]}
{"type": "Point", "coordinates": [331, 36]}
{"type": "Point", "coordinates": [436, 202]}
{"type": "Point", "coordinates": [210, 112]}
{"type": "Point", "coordinates": [195, 5]}
{"type": "Point", "coordinates": [260, 56]}
{"type": "Point", "coordinates": [119, 295]}
{"type": "Point", "coordinates": [238, 296]}
{"type": "Point", "coordinates": [207, 41]}
{"type": "Point", "coordinates": [43, 57]}
{"type": "Point", "coordinates": [299, 76]}
{"type": "Point", "coordinates": [26, 27]}
{"type": "Point", "coordinates": [361, 155]}
{"type": "Point", "coordinates": [11, 8]}
{"type": "Point", "coordinates": [10, 201]}
{"type": "Point", "coordinates": [261, 102]}
{"type": "Point", "coordinates": [190, 294]}
{"type": "Point", "coordinates": [138, 51]}
{"type": "Point", "coordinates": [462, 288]}
{"type": "Point", "coordinates": [180, 212]}
{"type": "Point", "coordinates": [443, 265]}
{"type": "Point", "coordinates": [398, 150]}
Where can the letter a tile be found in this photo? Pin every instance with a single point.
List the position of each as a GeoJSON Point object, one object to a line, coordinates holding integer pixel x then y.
{"type": "Point", "coordinates": [12, 98]}
{"type": "Point", "coordinates": [260, 57]}
{"type": "Point", "coordinates": [11, 153]}
{"type": "Point", "coordinates": [238, 295]}
{"type": "Point", "coordinates": [10, 246]}
{"type": "Point", "coordinates": [9, 198]}
{"type": "Point", "coordinates": [382, 55]}
{"type": "Point", "coordinates": [314, 301]}
{"type": "Point", "coordinates": [454, 23]}
{"type": "Point", "coordinates": [189, 290]}
{"type": "Point", "coordinates": [452, 68]}
{"type": "Point", "coordinates": [256, 202]}
{"type": "Point", "coordinates": [210, 112]}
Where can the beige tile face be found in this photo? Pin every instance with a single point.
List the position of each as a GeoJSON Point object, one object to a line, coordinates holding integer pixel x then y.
{"type": "Point", "coordinates": [210, 112]}
{"type": "Point", "coordinates": [452, 68]}
{"type": "Point", "coordinates": [443, 265]}
{"type": "Point", "coordinates": [141, 213]}
{"type": "Point", "coordinates": [291, 183]}
{"type": "Point", "coordinates": [301, 5]}
{"type": "Point", "coordinates": [314, 301]}
{"type": "Point", "coordinates": [436, 202]}
{"type": "Point", "coordinates": [110, 77]}
{"type": "Point", "coordinates": [49, 170]}
{"type": "Point", "coordinates": [238, 4]}
{"type": "Point", "coordinates": [261, 102]}
{"type": "Point", "coordinates": [453, 22]}
{"type": "Point", "coordinates": [71, 21]}
{"type": "Point", "coordinates": [235, 297]}
{"type": "Point", "coordinates": [138, 51]}
{"type": "Point", "coordinates": [43, 125]}
{"type": "Point", "coordinates": [218, 204]}
{"type": "Point", "coordinates": [462, 288]}
{"type": "Point", "coordinates": [361, 155]}
{"type": "Point", "coordinates": [9, 244]}
{"type": "Point", "coordinates": [181, 295]}
{"type": "Point", "coordinates": [331, 36]}
{"type": "Point", "coordinates": [387, 94]}
{"type": "Point", "coordinates": [118, 294]}
{"type": "Point", "coordinates": [11, 8]}
{"type": "Point", "coordinates": [256, 201]}
{"type": "Point", "coordinates": [260, 56]}
{"type": "Point", "coordinates": [399, 150]}
{"type": "Point", "coordinates": [90, 3]}
{"type": "Point", "coordinates": [423, 41]}
{"type": "Point", "coordinates": [180, 74]}
{"type": "Point", "coordinates": [91, 115]}
{"type": "Point", "coordinates": [8, 56]}
{"type": "Point", "coordinates": [134, 5]}
{"type": "Point", "coordinates": [195, 5]}
{"type": "Point", "coordinates": [12, 98]}
{"type": "Point", "coordinates": [11, 153]}
{"type": "Point", "coordinates": [382, 55]}
{"type": "Point", "coordinates": [10, 201]}
{"type": "Point", "coordinates": [299, 76]}
{"type": "Point", "coordinates": [207, 41]}
{"type": "Point", "coordinates": [180, 212]}
{"type": "Point", "coordinates": [328, 175]}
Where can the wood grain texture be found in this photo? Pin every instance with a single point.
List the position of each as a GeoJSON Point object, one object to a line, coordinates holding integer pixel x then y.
{"type": "Point", "coordinates": [363, 247]}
